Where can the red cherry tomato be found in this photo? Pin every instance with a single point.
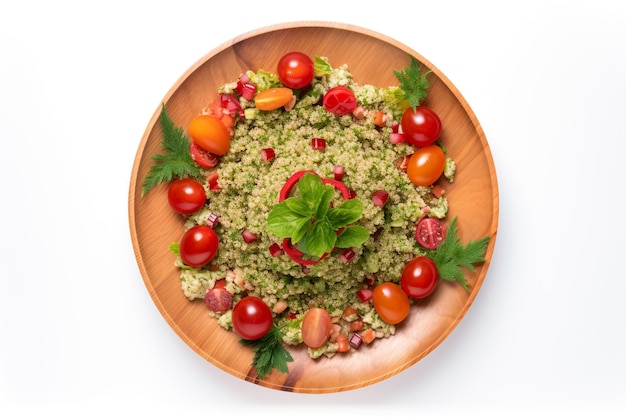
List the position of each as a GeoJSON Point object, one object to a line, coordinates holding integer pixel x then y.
{"type": "Point", "coordinates": [316, 327]}
{"type": "Point", "coordinates": [186, 196]}
{"type": "Point", "coordinates": [421, 125]}
{"type": "Point", "coordinates": [419, 277]}
{"type": "Point", "coordinates": [391, 303]}
{"type": "Point", "coordinates": [426, 165]}
{"type": "Point", "coordinates": [252, 318]}
{"type": "Point", "coordinates": [339, 101]}
{"type": "Point", "coordinates": [429, 232]}
{"type": "Point", "coordinates": [295, 70]}
{"type": "Point", "coordinates": [209, 133]}
{"type": "Point", "coordinates": [198, 246]}
{"type": "Point", "coordinates": [202, 157]}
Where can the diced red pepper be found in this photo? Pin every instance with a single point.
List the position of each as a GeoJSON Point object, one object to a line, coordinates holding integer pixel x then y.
{"type": "Point", "coordinates": [248, 236]}
{"type": "Point", "coordinates": [347, 255]}
{"type": "Point", "coordinates": [230, 105]}
{"type": "Point", "coordinates": [380, 197]}
{"type": "Point", "coordinates": [364, 294]}
{"type": "Point", "coordinates": [268, 154]}
{"type": "Point", "coordinates": [212, 180]}
{"type": "Point", "coordinates": [318, 144]}
{"type": "Point", "coordinates": [396, 138]}
{"type": "Point", "coordinates": [395, 127]}
{"type": "Point", "coordinates": [212, 220]}
{"type": "Point", "coordinates": [356, 340]}
{"type": "Point", "coordinates": [275, 250]}
{"type": "Point", "coordinates": [338, 172]}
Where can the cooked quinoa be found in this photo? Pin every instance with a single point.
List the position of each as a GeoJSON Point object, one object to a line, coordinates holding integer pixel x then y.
{"type": "Point", "coordinates": [249, 188]}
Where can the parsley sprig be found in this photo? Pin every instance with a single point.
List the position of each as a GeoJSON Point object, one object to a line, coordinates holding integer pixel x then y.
{"type": "Point", "coordinates": [269, 353]}
{"type": "Point", "coordinates": [452, 254]}
{"type": "Point", "coordinates": [311, 222]}
{"type": "Point", "coordinates": [413, 83]}
{"type": "Point", "coordinates": [176, 162]}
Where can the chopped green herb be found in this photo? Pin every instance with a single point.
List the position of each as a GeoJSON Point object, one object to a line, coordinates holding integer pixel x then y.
{"type": "Point", "coordinates": [176, 162]}
{"type": "Point", "coordinates": [413, 83]}
{"type": "Point", "coordinates": [269, 353]}
{"type": "Point", "coordinates": [451, 255]}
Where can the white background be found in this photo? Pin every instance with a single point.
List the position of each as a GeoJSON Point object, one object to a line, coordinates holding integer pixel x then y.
{"type": "Point", "coordinates": [79, 333]}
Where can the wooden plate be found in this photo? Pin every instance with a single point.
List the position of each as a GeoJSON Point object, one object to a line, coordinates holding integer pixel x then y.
{"type": "Point", "coordinates": [473, 198]}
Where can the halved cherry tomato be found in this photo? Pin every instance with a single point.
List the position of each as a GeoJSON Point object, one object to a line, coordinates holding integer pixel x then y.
{"type": "Point", "coordinates": [186, 195]}
{"type": "Point", "coordinates": [391, 303]}
{"type": "Point", "coordinates": [198, 246]}
{"type": "Point", "coordinates": [429, 232]}
{"type": "Point", "coordinates": [340, 101]}
{"type": "Point", "coordinates": [421, 125]}
{"type": "Point", "coordinates": [419, 277]}
{"type": "Point", "coordinates": [273, 98]}
{"type": "Point", "coordinates": [203, 157]}
{"type": "Point", "coordinates": [316, 327]}
{"type": "Point", "coordinates": [209, 133]}
{"type": "Point", "coordinates": [252, 318]}
{"type": "Point", "coordinates": [295, 70]}
{"type": "Point", "coordinates": [426, 165]}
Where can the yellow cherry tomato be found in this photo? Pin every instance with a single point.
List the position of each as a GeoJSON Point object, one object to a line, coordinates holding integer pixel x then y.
{"type": "Point", "coordinates": [273, 98]}
{"type": "Point", "coordinates": [209, 133]}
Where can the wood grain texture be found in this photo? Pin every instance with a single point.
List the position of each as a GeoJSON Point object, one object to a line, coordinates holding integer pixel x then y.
{"type": "Point", "coordinates": [473, 199]}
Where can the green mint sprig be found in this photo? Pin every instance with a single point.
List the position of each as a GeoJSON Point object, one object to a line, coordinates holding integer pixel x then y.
{"type": "Point", "coordinates": [313, 224]}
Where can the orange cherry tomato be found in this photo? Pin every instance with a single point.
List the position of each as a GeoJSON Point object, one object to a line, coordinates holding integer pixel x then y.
{"type": "Point", "coordinates": [209, 133]}
{"type": "Point", "coordinates": [316, 327]}
{"type": "Point", "coordinates": [426, 165]}
{"type": "Point", "coordinates": [391, 302]}
{"type": "Point", "coordinates": [273, 98]}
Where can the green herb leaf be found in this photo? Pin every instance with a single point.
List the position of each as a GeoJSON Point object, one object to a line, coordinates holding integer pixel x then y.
{"type": "Point", "coordinates": [310, 221]}
{"type": "Point", "coordinates": [176, 162]}
{"type": "Point", "coordinates": [412, 83]}
{"type": "Point", "coordinates": [321, 67]}
{"type": "Point", "coordinates": [352, 237]}
{"type": "Point", "coordinates": [269, 353]}
{"type": "Point", "coordinates": [319, 239]}
{"type": "Point", "coordinates": [284, 222]}
{"type": "Point", "coordinates": [345, 213]}
{"type": "Point", "coordinates": [451, 255]}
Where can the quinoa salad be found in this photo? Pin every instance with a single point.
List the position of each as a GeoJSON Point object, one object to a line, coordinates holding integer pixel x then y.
{"type": "Point", "coordinates": [282, 129]}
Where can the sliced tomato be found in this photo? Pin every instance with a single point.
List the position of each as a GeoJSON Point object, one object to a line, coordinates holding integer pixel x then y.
{"type": "Point", "coordinates": [339, 101]}
{"type": "Point", "coordinates": [203, 157]}
{"type": "Point", "coordinates": [429, 232]}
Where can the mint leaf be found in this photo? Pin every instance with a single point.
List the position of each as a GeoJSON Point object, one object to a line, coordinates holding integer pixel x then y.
{"type": "Point", "coordinates": [311, 188]}
{"type": "Point", "coordinates": [283, 222]}
{"type": "Point", "coordinates": [299, 206]}
{"type": "Point", "coordinates": [347, 212]}
{"type": "Point", "coordinates": [324, 202]}
{"type": "Point", "coordinates": [319, 239]}
{"type": "Point", "coordinates": [352, 237]}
